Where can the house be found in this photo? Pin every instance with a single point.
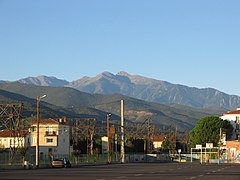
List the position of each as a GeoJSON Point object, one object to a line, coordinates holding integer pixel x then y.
{"type": "Point", "coordinates": [54, 137]}
{"type": "Point", "coordinates": [14, 138]}
{"type": "Point", "coordinates": [233, 150]}
{"type": "Point", "coordinates": [234, 118]}
{"type": "Point", "coordinates": [157, 141]}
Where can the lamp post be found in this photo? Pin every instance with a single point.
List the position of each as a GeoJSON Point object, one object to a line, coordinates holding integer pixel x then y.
{"type": "Point", "coordinates": [179, 151]}
{"type": "Point", "coordinates": [38, 114]}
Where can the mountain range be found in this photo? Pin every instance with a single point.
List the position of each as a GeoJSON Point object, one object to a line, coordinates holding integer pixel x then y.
{"type": "Point", "coordinates": [166, 104]}
{"type": "Point", "coordinates": [72, 103]}
{"type": "Point", "coordinates": [143, 88]}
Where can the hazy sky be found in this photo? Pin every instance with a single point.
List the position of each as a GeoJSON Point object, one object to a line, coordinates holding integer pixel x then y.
{"type": "Point", "coordinates": [189, 42]}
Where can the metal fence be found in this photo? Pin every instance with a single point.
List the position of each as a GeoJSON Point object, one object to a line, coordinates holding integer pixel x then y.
{"type": "Point", "coordinates": [7, 160]}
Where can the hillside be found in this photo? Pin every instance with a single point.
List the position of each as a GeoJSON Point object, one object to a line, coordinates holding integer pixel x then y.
{"type": "Point", "coordinates": [47, 110]}
{"type": "Point", "coordinates": [144, 88]}
{"type": "Point", "coordinates": [74, 103]}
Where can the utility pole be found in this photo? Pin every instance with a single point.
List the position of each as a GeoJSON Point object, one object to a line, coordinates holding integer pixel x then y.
{"type": "Point", "coordinates": [116, 145]}
{"type": "Point", "coordinates": [220, 137]}
{"type": "Point", "coordinates": [37, 145]}
{"type": "Point", "coordinates": [148, 137]}
{"type": "Point", "coordinates": [11, 119]}
{"type": "Point", "coordinates": [122, 133]}
{"type": "Point", "coordinates": [108, 135]}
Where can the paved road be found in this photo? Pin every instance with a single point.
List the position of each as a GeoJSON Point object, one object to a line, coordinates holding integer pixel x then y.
{"type": "Point", "coordinates": [138, 171]}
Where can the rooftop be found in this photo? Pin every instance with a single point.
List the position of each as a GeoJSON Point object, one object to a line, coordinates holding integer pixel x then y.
{"type": "Point", "coordinates": [232, 112]}
{"type": "Point", "coordinates": [13, 133]}
{"type": "Point", "coordinates": [47, 121]}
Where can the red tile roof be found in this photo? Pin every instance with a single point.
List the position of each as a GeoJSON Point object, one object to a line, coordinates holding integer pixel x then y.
{"type": "Point", "coordinates": [232, 112]}
{"type": "Point", "coordinates": [47, 121]}
{"type": "Point", "coordinates": [159, 138]}
{"type": "Point", "coordinates": [12, 133]}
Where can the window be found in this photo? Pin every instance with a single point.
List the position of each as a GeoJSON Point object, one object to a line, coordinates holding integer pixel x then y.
{"type": "Point", "coordinates": [50, 151]}
{"type": "Point", "coordinates": [50, 130]}
{"type": "Point", "coordinates": [34, 128]}
{"type": "Point", "coordinates": [34, 140]}
{"type": "Point", "coordinates": [41, 156]}
{"type": "Point", "coordinates": [49, 140]}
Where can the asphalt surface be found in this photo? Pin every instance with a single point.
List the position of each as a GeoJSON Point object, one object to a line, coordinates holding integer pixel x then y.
{"type": "Point", "coordinates": [138, 171]}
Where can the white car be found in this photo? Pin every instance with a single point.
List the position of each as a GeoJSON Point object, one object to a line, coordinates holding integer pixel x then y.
{"type": "Point", "coordinates": [61, 162]}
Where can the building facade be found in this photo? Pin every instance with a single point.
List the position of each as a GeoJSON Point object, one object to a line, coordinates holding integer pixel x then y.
{"type": "Point", "coordinates": [14, 138]}
{"type": "Point", "coordinates": [157, 141]}
{"type": "Point", "coordinates": [234, 118]}
{"type": "Point", "coordinates": [233, 151]}
{"type": "Point", "coordinates": [54, 137]}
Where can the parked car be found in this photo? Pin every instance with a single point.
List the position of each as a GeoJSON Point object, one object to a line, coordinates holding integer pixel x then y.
{"type": "Point", "coordinates": [61, 162]}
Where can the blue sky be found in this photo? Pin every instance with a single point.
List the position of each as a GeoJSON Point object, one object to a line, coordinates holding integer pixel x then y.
{"type": "Point", "coordinates": [194, 43]}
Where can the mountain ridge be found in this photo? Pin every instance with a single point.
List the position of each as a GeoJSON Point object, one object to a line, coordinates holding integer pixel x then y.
{"type": "Point", "coordinates": [44, 81]}
{"type": "Point", "coordinates": [143, 88]}
{"type": "Point", "coordinates": [72, 102]}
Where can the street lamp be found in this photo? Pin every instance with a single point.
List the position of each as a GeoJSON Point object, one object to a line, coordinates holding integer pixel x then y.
{"type": "Point", "coordinates": [179, 151]}
{"type": "Point", "coordinates": [38, 113]}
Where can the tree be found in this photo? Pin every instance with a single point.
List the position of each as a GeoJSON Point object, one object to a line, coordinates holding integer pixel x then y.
{"type": "Point", "coordinates": [207, 130]}
{"type": "Point", "coordinates": [2, 147]}
{"type": "Point", "coordinates": [169, 143]}
{"type": "Point", "coordinates": [23, 151]}
{"type": "Point", "coordinates": [166, 145]}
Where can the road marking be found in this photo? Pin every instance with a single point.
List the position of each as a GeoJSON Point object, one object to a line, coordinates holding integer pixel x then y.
{"type": "Point", "coordinates": [192, 177]}
{"type": "Point", "coordinates": [138, 174]}
{"type": "Point", "coordinates": [121, 177]}
{"type": "Point", "coordinates": [201, 175]}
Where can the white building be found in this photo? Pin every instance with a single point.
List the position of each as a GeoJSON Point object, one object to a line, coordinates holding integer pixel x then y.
{"type": "Point", "coordinates": [157, 141]}
{"type": "Point", "coordinates": [14, 138]}
{"type": "Point", "coordinates": [234, 118]}
{"type": "Point", "coordinates": [104, 144]}
{"type": "Point", "coordinates": [54, 137]}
